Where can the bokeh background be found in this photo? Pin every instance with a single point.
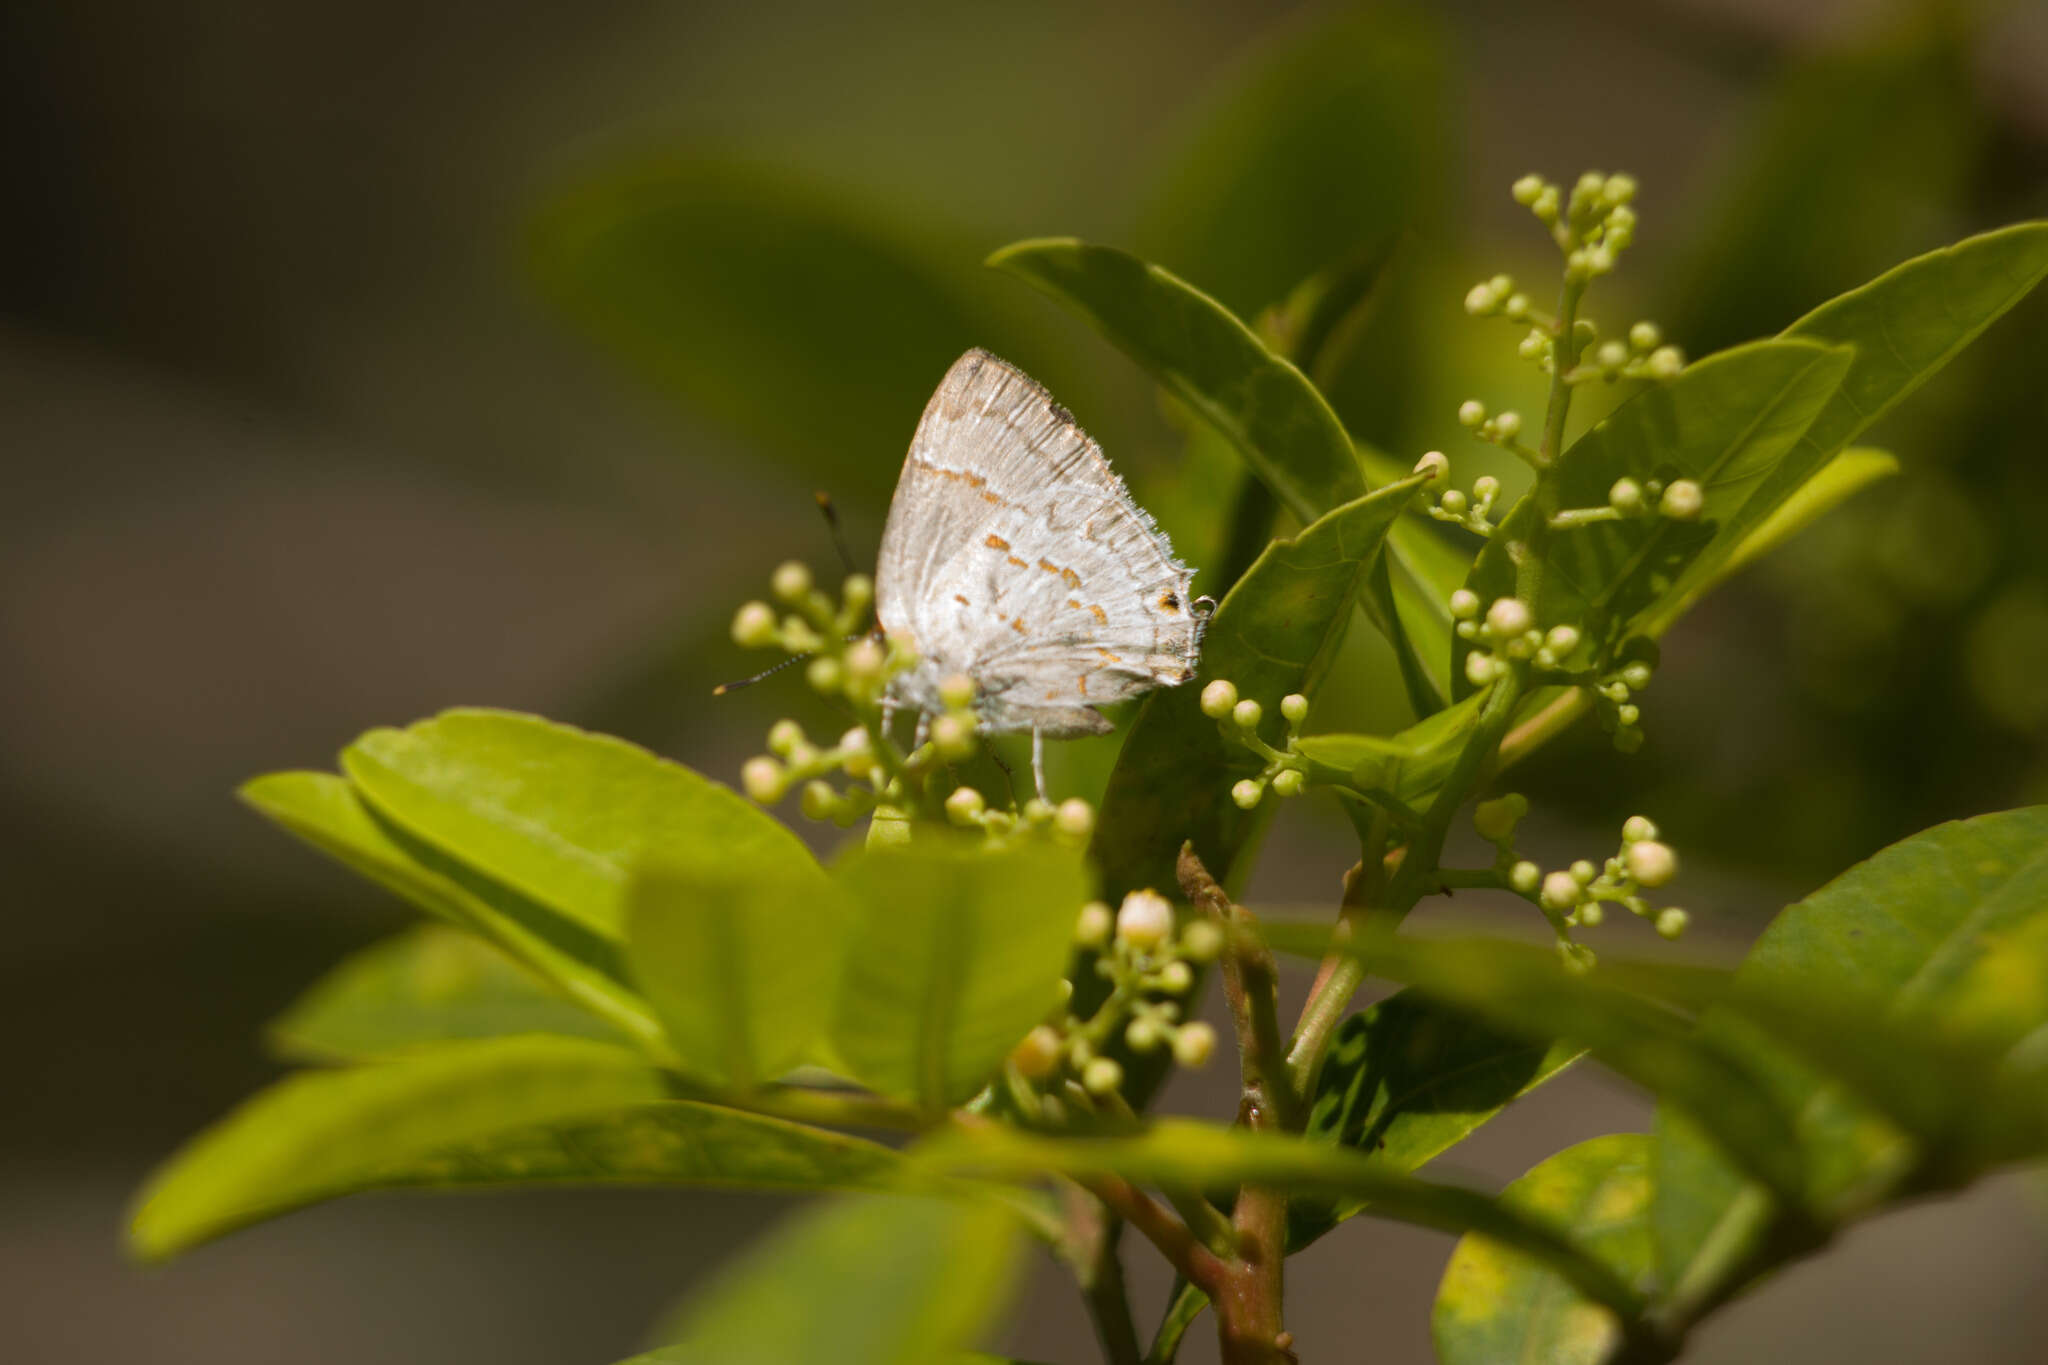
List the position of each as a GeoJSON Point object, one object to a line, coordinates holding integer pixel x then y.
{"type": "Point", "coordinates": [360, 360]}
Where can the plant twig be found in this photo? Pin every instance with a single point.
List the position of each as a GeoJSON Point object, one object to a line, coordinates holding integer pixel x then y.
{"type": "Point", "coordinates": [1091, 1248]}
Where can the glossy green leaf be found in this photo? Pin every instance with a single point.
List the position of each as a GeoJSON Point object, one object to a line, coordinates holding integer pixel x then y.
{"type": "Point", "coordinates": [1405, 767]}
{"type": "Point", "coordinates": [556, 814]}
{"type": "Point", "coordinates": [1406, 1080]}
{"type": "Point", "coordinates": [1178, 1153]}
{"type": "Point", "coordinates": [954, 953]}
{"type": "Point", "coordinates": [1413, 606]}
{"type": "Point", "coordinates": [721, 281]}
{"type": "Point", "coordinates": [742, 967]}
{"type": "Point", "coordinates": [1497, 1304]}
{"type": "Point", "coordinates": [1204, 356]}
{"type": "Point", "coordinates": [426, 985]}
{"type": "Point", "coordinates": [863, 1281]}
{"type": "Point", "coordinates": [1726, 423]}
{"type": "Point", "coordinates": [326, 812]}
{"type": "Point", "coordinates": [1274, 633]}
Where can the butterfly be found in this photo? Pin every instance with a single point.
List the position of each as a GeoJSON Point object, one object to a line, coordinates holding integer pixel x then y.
{"type": "Point", "coordinates": [1014, 555]}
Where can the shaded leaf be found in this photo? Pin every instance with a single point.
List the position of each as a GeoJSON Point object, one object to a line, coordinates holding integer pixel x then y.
{"type": "Point", "coordinates": [325, 811]}
{"type": "Point", "coordinates": [864, 1281]}
{"type": "Point", "coordinates": [1405, 767]}
{"type": "Point", "coordinates": [1406, 1080]}
{"type": "Point", "coordinates": [1496, 1303]}
{"type": "Point", "coordinates": [426, 985]}
{"type": "Point", "coordinates": [1273, 634]}
{"type": "Point", "coordinates": [557, 814]}
{"type": "Point", "coordinates": [954, 953]}
{"type": "Point", "coordinates": [741, 966]}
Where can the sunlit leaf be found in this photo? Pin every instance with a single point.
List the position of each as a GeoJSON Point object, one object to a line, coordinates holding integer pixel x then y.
{"type": "Point", "coordinates": [742, 966]}
{"type": "Point", "coordinates": [426, 985]}
{"type": "Point", "coordinates": [326, 812]}
{"type": "Point", "coordinates": [954, 953]}
{"type": "Point", "coordinates": [864, 1281]}
{"type": "Point", "coordinates": [1273, 634]}
{"type": "Point", "coordinates": [1405, 767]}
{"type": "Point", "coordinates": [557, 814]}
{"type": "Point", "coordinates": [1497, 1304]}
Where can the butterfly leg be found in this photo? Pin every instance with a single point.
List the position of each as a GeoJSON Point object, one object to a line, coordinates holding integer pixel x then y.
{"type": "Point", "coordinates": [1038, 761]}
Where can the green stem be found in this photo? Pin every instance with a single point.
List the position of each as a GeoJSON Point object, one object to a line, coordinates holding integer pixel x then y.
{"type": "Point", "coordinates": [1099, 1266]}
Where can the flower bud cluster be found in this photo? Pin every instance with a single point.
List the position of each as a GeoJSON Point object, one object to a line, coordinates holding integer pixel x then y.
{"type": "Point", "coordinates": [1505, 635]}
{"type": "Point", "coordinates": [1642, 356]}
{"type": "Point", "coordinates": [1614, 699]}
{"type": "Point", "coordinates": [1592, 224]}
{"type": "Point", "coordinates": [1470, 510]}
{"type": "Point", "coordinates": [1629, 499]}
{"type": "Point", "coordinates": [1062, 1069]}
{"type": "Point", "coordinates": [1503, 429]}
{"type": "Point", "coordinates": [1285, 771]}
{"type": "Point", "coordinates": [1576, 896]}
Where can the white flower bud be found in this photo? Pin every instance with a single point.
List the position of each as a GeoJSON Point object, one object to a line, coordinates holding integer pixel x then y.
{"type": "Point", "coordinates": [1562, 640]}
{"type": "Point", "coordinates": [956, 692]}
{"type": "Point", "coordinates": [1583, 872]}
{"type": "Point", "coordinates": [1486, 488]}
{"type": "Point", "coordinates": [1682, 501]}
{"type": "Point", "coordinates": [1289, 782]}
{"type": "Point", "coordinates": [1038, 1053]}
{"type": "Point", "coordinates": [1471, 413]}
{"type": "Point", "coordinates": [1247, 714]}
{"type": "Point", "coordinates": [1612, 355]}
{"type": "Point", "coordinates": [1545, 204]}
{"type": "Point", "coordinates": [1526, 189]}
{"type": "Point", "coordinates": [1294, 708]}
{"type": "Point", "coordinates": [1651, 863]}
{"type": "Point", "coordinates": [1176, 977]}
{"type": "Point", "coordinates": [1481, 299]}
{"type": "Point", "coordinates": [1433, 463]}
{"type": "Point", "coordinates": [1635, 676]}
{"type": "Point", "coordinates": [753, 626]}
{"type": "Point", "coordinates": [1645, 336]}
{"type": "Point", "coordinates": [857, 591]}
{"type": "Point", "coordinates": [1143, 1035]}
{"type": "Point", "coordinates": [1525, 877]}
{"type": "Point", "coordinates": [1638, 828]}
{"type": "Point", "coordinates": [1480, 668]}
{"type": "Point", "coordinates": [1092, 928]}
{"type": "Point", "coordinates": [1591, 913]}
{"type": "Point", "coordinates": [1247, 793]}
{"type": "Point", "coordinates": [1218, 698]}
{"type": "Point", "coordinates": [865, 660]}
{"type": "Point", "coordinates": [1075, 818]}
{"type": "Point", "coordinates": [1194, 1044]}
{"type": "Point", "coordinates": [791, 581]}
{"type": "Point", "coordinates": [1666, 362]}
{"type": "Point", "coordinates": [1560, 891]}
{"type": "Point", "coordinates": [1627, 714]}
{"type": "Point", "coordinates": [1464, 604]}
{"type": "Point", "coordinates": [1516, 308]}
{"type": "Point", "coordinates": [1453, 502]}
{"type": "Point", "coordinates": [784, 736]}
{"type": "Point", "coordinates": [1600, 258]}
{"type": "Point", "coordinates": [1671, 922]}
{"type": "Point", "coordinates": [1619, 189]}
{"type": "Point", "coordinates": [824, 674]}
{"type": "Point", "coordinates": [1626, 496]}
{"type": "Point", "coordinates": [964, 806]}
{"type": "Point", "coordinates": [1145, 920]}
{"type": "Point", "coordinates": [819, 800]}
{"type": "Point", "coordinates": [859, 752]}
{"type": "Point", "coordinates": [953, 736]}
{"type": "Point", "coordinates": [1509, 617]}
{"type": "Point", "coordinates": [1102, 1076]}
{"type": "Point", "coordinates": [1508, 425]}
{"type": "Point", "coordinates": [764, 780]}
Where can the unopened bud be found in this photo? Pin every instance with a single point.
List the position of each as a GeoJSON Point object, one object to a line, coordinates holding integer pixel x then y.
{"type": "Point", "coordinates": [1583, 872]}
{"type": "Point", "coordinates": [1289, 782]}
{"type": "Point", "coordinates": [859, 752]}
{"type": "Point", "coordinates": [1101, 1076]}
{"type": "Point", "coordinates": [1247, 793]}
{"type": "Point", "coordinates": [1526, 189]}
{"type": "Point", "coordinates": [865, 660]}
{"type": "Point", "coordinates": [1092, 928]}
{"type": "Point", "coordinates": [1612, 355]}
{"type": "Point", "coordinates": [1560, 891]}
{"type": "Point", "coordinates": [1294, 708]}
{"type": "Point", "coordinates": [1454, 502]}
{"type": "Point", "coordinates": [956, 691]}
{"type": "Point", "coordinates": [1591, 913]}
{"type": "Point", "coordinates": [764, 780]}
{"type": "Point", "coordinates": [1037, 1054]}
{"type": "Point", "coordinates": [1176, 977]}
{"type": "Point", "coordinates": [1075, 818]}
{"type": "Point", "coordinates": [1682, 501]}
{"type": "Point", "coordinates": [1671, 923]}
{"type": "Point", "coordinates": [791, 581]}
{"type": "Point", "coordinates": [1247, 714]}
{"type": "Point", "coordinates": [1481, 299]}
{"type": "Point", "coordinates": [1562, 640]}
{"type": "Point", "coordinates": [1525, 877]}
{"type": "Point", "coordinates": [1666, 361]}
{"type": "Point", "coordinates": [824, 674]}
{"type": "Point", "coordinates": [1636, 676]}
{"type": "Point", "coordinates": [1471, 413]}
{"type": "Point", "coordinates": [1435, 464]}
{"type": "Point", "coordinates": [1638, 828]}
{"type": "Point", "coordinates": [1509, 617]}
{"type": "Point", "coordinates": [1145, 921]}
{"type": "Point", "coordinates": [1651, 863]}
{"type": "Point", "coordinates": [1480, 669]}
{"type": "Point", "coordinates": [753, 626]}
{"type": "Point", "coordinates": [1508, 425]}
{"type": "Point", "coordinates": [1143, 1035]}
{"type": "Point", "coordinates": [1464, 604]}
{"type": "Point", "coordinates": [819, 800]}
{"type": "Point", "coordinates": [1645, 336]}
{"type": "Point", "coordinates": [1218, 698]}
{"type": "Point", "coordinates": [1626, 496]}
{"type": "Point", "coordinates": [1496, 819]}
{"type": "Point", "coordinates": [953, 736]}
{"type": "Point", "coordinates": [1201, 941]}
{"type": "Point", "coordinates": [1194, 1044]}
{"type": "Point", "coordinates": [964, 806]}
{"type": "Point", "coordinates": [784, 736]}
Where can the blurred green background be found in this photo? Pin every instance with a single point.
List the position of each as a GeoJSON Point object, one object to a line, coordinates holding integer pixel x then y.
{"type": "Point", "coordinates": [359, 360]}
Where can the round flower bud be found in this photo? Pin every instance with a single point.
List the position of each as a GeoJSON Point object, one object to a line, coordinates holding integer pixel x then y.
{"type": "Point", "coordinates": [1619, 189]}
{"type": "Point", "coordinates": [1194, 1044]}
{"type": "Point", "coordinates": [857, 591]}
{"type": "Point", "coordinates": [1600, 258]}
{"type": "Point", "coordinates": [964, 806]}
{"type": "Point", "coordinates": [753, 626]}
{"type": "Point", "coordinates": [1583, 872]}
{"type": "Point", "coordinates": [1635, 676]}
{"type": "Point", "coordinates": [1486, 488]}
{"type": "Point", "coordinates": [1612, 355]}
{"type": "Point", "coordinates": [1247, 793]}
{"type": "Point", "coordinates": [1454, 502]}
{"type": "Point", "coordinates": [859, 752]}
{"type": "Point", "coordinates": [1294, 708]}
{"type": "Point", "coordinates": [1143, 1035]}
{"type": "Point", "coordinates": [1626, 496]}
{"type": "Point", "coordinates": [1247, 714]}
{"type": "Point", "coordinates": [1645, 336]}
{"type": "Point", "coordinates": [1509, 617]}
{"type": "Point", "coordinates": [824, 674]}
{"type": "Point", "coordinates": [1471, 413]}
{"type": "Point", "coordinates": [819, 800]}
{"type": "Point", "coordinates": [1074, 818]}
{"type": "Point", "coordinates": [956, 691]}
{"type": "Point", "coordinates": [1480, 668]}
{"type": "Point", "coordinates": [1525, 877]}
{"type": "Point", "coordinates": [1666, 361]}
{"type": "Point", "coordinates": [1175, 978]}
{"type": "Point", "coordinates": [1560, 891]}
{"type": "Point", "coordinates": [764, 780]}
{"type": "Point", "coordinates": [953, 735]}
{"type": "Point", "coordinates": [1533, 346]}
{"type": "Point", "coordinates": [1092, 928]}
{"type": "Point", "coordinates": [1464, 604]}
{"type": "Point", "coordinates": [1671, 922]}
{"type": "Point", "coordinates": [1101, 1076]}
{"type": "Point", "coordinates": [791, 581]}
{"type": "Point", "coordinates": [1146, 919]}
{"type": "Point", "coordinates": [865, 660]}
{"type": "Point", "coordinates": [1289, 782]}
{"type": "Point", "coordinates": [783, 736]}
{"type": "Point", "coordinates": [1682, 501]}
{"type": "Point", "coordinates": [1651, 863]}
{"type": "Point", "coordinates": [1201, 941]}
{"type": "Point", "coordinates": [1496, 819]}
{"type": "Point", "coordinates": [1516, 307]}
{"type": "Point", "coordinates": [1562, 639]}
{"type": "Point", "coordinates": [1037, 1054]}
{"type": "Point", "coordinates": [1590, 914]}
{"type": "Point", "coordinates": [1481, 299]}
{"type": "Point", "coordinates": [1627, 714]}
{"type": "Point", "coordinates": [1433, 463]}
{"type": "Point", "coordinates": [1526, 189]}
{"type": "Point", "coordinates": [1637, 828]}
{"type": "Point", "coordinates": [1218, 698]}
{"type": "Point", "coordinates": [1509, 425]}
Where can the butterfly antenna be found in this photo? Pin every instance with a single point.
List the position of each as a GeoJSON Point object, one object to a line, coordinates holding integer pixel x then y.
{"type": "Point", "coordinates": [831, 514]}
{"type": "Point", "coordinates": [724, 688]}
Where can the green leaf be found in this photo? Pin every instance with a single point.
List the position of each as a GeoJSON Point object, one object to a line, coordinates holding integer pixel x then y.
{"type": "Point", "coordinates": [1496, 1304]}
{"type": "Point", "coordinates": [556, 814]}
{"type": "Point", "coordinates": [1178, 1153]}
{"type": "Point", "coordinates": [426, 985]}
{"type": "Point", "coordinates": [326, 812]}
{"type": "Point", "coordinates": [1726, 423]}
{"type": "Point", "coordinates": [741, 966]}
{"type": "Point", "coordinates": [1274, 634]}
{"type": "Point", "coordinates": [866, 1281]}
{"type": "Point", "coordinates": [1204, 356]}
{"type": "Point", "coordinates": [954, 953]}
{"type": "Point", "coordinates": [1405, 767]}
{"type": "Point", "coordinates": [1406, 1080]}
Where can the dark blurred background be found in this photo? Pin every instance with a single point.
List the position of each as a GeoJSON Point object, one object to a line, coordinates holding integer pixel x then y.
{"type": "Point", "coordinates": [360, 360]}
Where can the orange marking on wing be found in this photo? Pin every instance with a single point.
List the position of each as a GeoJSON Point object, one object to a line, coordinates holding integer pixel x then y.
{"type": "Point", "coordinates": [1108, 657]}
{"type": "Point", "coordinates": [996, 542]}
{"type": "Point", "coordinates": [1072, 579]}
{"type": "Point", "coordinates": [1017, 624]}
{"type": "Point", "coordinates": [1018, 562]}
{"type": "Point", "coordinates": [990, 497]}
{"type": "Point", "coordinates": [1101, 616]}
{"type": "Point", "coordinates": [961, 598]}
{"type": "Point", "coordinates": [1083, 684]}
{"type": "Point", "coordinates": [1168, 602]}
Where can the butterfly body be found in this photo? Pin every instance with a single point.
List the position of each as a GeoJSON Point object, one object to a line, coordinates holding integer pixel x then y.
{"type": "Point", "coordinates": [1014, 555]}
